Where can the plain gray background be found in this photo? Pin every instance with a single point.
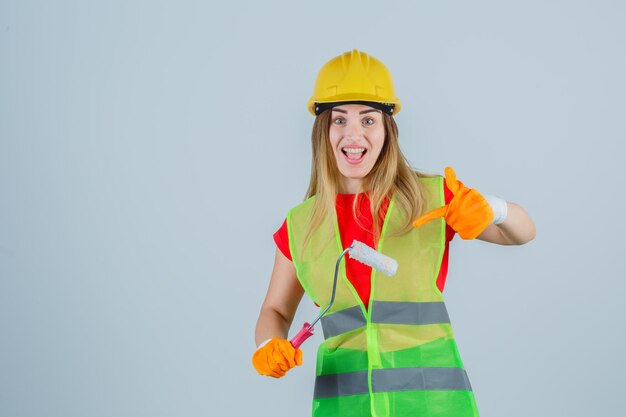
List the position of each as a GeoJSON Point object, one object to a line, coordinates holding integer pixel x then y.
{"type": "Point", "coordinates": [149, 150]}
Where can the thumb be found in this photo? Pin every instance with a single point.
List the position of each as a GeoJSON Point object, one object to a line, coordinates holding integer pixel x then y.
{"type": "Point", "coordinates": [431, 215]}
{"type": "Point", "coordinates": [453, 184]}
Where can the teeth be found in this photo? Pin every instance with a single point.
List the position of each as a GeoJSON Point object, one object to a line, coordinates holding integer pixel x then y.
{"type": "Point", "coordinates": [354, 150]}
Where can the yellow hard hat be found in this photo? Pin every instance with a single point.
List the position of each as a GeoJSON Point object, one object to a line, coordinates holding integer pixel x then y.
{"type": "Point", "coordinates": [354, 77]}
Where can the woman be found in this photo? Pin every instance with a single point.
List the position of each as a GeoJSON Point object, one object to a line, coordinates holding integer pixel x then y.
{"type": "Point", "coordinates": [389, 349]}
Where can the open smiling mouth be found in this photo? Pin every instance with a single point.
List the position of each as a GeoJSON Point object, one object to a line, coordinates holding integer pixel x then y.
{"type": "Point", "coordinates": [354, 154]}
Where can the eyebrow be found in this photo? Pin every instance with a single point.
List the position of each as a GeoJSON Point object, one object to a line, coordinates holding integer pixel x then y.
{"type": "Point", "coordinates": [361, 112]}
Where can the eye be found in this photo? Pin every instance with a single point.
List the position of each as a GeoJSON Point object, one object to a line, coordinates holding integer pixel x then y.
{"type": "Point", "coordinates": [339, 121]}
{"type": "Point", "coordinates": [368, 121]}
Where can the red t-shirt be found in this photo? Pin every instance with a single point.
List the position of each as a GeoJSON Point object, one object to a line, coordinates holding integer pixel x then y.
{"type": "Point", "coordinates": [359, 274]}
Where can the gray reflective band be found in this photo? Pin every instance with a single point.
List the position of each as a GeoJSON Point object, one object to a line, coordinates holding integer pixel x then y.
{"type": "Point", "coordinates": [338, 385]}
{"type": "Point", "coordinates": [388, 312]}
{"type": "Point", "coordinates": [405, 379]}
{"type": "Point", "coordinates": [388, 380]}
{"type": "Point", "coordinates": [401, 312]}
{"type": "Point", "coordinates": [342, 321]}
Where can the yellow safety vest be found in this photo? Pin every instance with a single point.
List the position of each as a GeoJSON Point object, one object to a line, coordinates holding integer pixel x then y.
{"type": "Point", "coordinates": [398, 357]}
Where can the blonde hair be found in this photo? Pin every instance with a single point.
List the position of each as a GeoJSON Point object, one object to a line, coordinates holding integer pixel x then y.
{"type": "Point", "coordinates": [391, 174]}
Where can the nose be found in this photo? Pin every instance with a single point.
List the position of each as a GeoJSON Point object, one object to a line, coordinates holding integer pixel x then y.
{"type": "Point", "coordinates": [354, 129]}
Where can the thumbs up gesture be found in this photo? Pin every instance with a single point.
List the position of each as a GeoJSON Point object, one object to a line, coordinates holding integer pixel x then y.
{"type": "Point", "coordinates": [468, 213]}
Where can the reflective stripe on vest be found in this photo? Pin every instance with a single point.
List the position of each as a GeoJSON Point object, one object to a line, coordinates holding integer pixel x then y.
{"type": "Point", "coordinates": [392, 379]}
{"type": "Point", "coordinates": [388, 312]}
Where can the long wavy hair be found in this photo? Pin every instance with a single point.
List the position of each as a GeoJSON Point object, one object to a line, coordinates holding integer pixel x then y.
{"type": "Point", "coordinates": [391, 174]}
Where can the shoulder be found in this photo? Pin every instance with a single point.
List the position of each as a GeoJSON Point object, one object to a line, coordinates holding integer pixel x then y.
{"type": "Point", "coordinates": [305, 205]}
{"type": "Point", "coordinates": [433, 190]}
{"type": "Point", "coordinates": [439, 182]}
{"type": "Point", "coordinates": [301, 213]}
{"type": "Point", "coordinates": [428, 179]}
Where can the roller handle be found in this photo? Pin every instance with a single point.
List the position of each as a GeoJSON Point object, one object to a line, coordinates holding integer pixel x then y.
{"type": "Point", "coordinates": [303, 334]}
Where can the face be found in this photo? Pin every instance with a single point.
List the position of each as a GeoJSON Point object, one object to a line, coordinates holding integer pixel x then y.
{"type": "Point", "coordinates": [357, 135]}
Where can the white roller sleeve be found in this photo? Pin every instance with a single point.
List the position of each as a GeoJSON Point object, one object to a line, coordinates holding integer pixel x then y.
{"type": "Point", "coordinates": [499, 207]}
{"type": "Point", "coordinates": [368, 256]}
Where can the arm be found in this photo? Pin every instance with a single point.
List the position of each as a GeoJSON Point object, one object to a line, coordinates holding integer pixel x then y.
{"type": "Point", "coordinates": [517, 229]}
{"type": "Point", "coordinates": [280, 304]}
